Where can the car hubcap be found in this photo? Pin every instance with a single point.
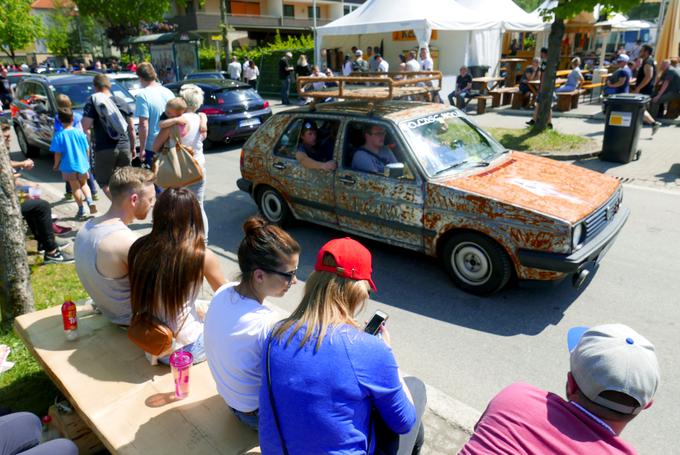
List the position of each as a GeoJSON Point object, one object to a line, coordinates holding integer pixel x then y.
{"type": "Point", "coordinates": [471, 263]}
{"type": "Point", "coordinates": [271, 206]}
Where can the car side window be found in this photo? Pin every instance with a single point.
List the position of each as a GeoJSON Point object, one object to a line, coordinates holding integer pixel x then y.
{"type": "Point", "coordinates": [356, 137]}
{"type": "Point", "coordinates": [22, 91]}
{"type": "Point", "coordinates": [288, 142]}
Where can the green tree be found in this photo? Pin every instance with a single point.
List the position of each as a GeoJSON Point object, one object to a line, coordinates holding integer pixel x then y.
{"type": "Point", "coordinates": [58, 37]}
{"type": "Point", "coordinates": [528, 5]}
{"type": "Point", "coordinates": [564, 10]}
{"type": "Point", "coordinates": [18, 28]}
{"type": "Point", "coordinates": [122, 18]}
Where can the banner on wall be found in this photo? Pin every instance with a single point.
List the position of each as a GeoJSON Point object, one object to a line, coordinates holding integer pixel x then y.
{"type": "Point", "coordinates": [409, 35]}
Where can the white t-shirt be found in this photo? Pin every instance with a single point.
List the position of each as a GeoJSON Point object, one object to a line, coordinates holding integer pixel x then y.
{"type": "Point", "coordinates": [251, 73]}
{"type": "Point", "coordinates": [187, 327]}
{"type": "Point", "coordinates": [235, 333]}
{"type": "Point", "coordinates": [193, 137]}
{"type": "Point", "coordinates": [412, 65]}
{"type": "Point", "coordinates": [234, 70]}
{"type": "Point", "coordinates": [426, 64]}
{"type": "Point", "coordinates": [383, 66]}
{"type": "Point", "coordinates": [347, 68]}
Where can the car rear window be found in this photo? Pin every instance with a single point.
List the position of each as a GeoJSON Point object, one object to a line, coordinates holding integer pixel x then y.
{"type": "Point", "coordinates": [233, 96]}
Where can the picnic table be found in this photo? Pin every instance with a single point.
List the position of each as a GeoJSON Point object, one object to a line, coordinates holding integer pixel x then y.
{"type": "Point", "coordinates": [511, 69]}
{"type": "Point", "coordinates": [482, 83]}
{"type": "Point", "coordinates": [125, 401]}
{"type": "Point", "coordinates": [536, 83]}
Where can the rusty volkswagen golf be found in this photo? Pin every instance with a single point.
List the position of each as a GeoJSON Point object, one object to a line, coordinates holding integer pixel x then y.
{"type": "Point", "coordinates": [451, 191]}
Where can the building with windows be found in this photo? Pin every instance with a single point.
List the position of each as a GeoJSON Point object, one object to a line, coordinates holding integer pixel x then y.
{"type": "Point", "coordinates": [257, 20]}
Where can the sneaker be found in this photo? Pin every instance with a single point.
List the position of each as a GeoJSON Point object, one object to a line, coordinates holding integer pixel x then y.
{"type": "Point", "coordinates": [93, 208]}
{"type": "Point", "coordinates": [68, 196]}
{"type": "Point", "coordinates": [60, 230]}
{"type": "Point", "coordinates": [531, 122]}
{"type": "Point", "coordinates": [60, 244]}
{"type": "Point", "coordinates": [655, 127]}
{"type": "Point", "coordinates": [59, 257]}
{"type": "Point", "coordinates": [95, 197]}
{"type": "Point", "coordinates": [81, 214]}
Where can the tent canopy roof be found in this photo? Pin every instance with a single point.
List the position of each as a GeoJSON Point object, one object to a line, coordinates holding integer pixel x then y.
{"type": "Point", "coordinates": [380, 16]}
{"type": "Point", "coordinates": [507, 13]}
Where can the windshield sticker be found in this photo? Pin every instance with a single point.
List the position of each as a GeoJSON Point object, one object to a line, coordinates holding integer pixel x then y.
{"type": "Point", "coordinates": [431, 119]}
{"type": "Point", "coordinates": [543, 189]}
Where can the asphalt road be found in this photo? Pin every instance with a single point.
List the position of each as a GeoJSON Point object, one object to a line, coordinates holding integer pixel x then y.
{"type": "Point", "coordinates": [471, 347]}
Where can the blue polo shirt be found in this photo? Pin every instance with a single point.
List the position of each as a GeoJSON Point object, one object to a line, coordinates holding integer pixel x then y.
{"type": "Point", "coordinates": [150, 103]}
{"type": "Point", "coordinates": [73, 146]}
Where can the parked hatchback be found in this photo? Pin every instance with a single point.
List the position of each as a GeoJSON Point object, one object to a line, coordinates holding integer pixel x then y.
{"type": "Point", "coordinates": [233, 108]}
{"type": "Point", "coordinates": [34, 106]}
{"type": "Point", "coordinates": [454, 192]}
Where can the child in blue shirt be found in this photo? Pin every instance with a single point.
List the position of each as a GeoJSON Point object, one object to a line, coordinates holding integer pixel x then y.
{"type": "Point", "coordinates": [71, 152]}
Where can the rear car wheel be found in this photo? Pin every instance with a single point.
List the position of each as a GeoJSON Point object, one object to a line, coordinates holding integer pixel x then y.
{"type": "Point", "coordinates": [272, 206]}
{"type": "Point", "coordinates": [476, 263]}
{"type": "Point", "coordinates": [28, 150]}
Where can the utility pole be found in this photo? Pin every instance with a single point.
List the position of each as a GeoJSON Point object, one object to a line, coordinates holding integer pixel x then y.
{"type": "Point", "coordinates": [224, 26]}
{"type": "Point", "coordinates": [316, 45]}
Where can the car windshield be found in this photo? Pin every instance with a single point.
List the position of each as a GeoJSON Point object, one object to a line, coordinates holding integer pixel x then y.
{"type": "Point", "coordinates": [205, 76]}
{"type": "Point", "coordinates": [78, 92]}
{"type": "Point", "coordinates": [130, 84]}
{"type": "Point", "coordinates": [447, 141]}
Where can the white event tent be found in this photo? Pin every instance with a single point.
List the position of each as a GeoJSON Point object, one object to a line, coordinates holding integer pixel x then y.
{"type": "Point", "coordinates": [468, 32]}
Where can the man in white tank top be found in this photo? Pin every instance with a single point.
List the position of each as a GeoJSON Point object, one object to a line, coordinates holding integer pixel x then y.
{"type": "Point", "coordinates": [102, 244]}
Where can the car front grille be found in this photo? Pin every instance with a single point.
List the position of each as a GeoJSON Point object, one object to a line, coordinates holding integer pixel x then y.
{"type": "Point", "coordinates": [600, 218]}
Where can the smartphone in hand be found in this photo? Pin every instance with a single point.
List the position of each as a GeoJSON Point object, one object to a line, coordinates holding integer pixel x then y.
{"type": "Point", "coordinates": [373, 326]}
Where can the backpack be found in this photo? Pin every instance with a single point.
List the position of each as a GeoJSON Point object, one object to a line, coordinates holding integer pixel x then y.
{"type": "Point", "coordinates": [109, 115]}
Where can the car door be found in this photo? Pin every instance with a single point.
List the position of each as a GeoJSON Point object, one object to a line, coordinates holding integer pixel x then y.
{"type": "Point", "coordinates": [26, 115]}
{"type": "Point", "coordinates": [310, 192]}
{"type": "Point", "coordinates": [44, 115]}
{"type": "Point", "coordinates": [384, 208]}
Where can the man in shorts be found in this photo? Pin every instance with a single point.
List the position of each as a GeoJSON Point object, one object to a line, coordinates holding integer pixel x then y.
{"type": "Point", "coordinates": [109, 153]}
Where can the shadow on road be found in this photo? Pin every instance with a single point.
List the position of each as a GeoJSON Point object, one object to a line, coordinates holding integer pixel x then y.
{"type": "Point", "coordinates": [409, 280]}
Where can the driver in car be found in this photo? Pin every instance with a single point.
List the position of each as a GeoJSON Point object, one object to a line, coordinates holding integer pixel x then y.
{"type": "Point", "coordinates": [309, 154]}
{"type": "Point", "coordinates": [374, 154]}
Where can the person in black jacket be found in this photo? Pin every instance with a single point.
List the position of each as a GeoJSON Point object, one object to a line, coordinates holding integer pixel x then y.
{"type": "Point", "coordinates": [285, 71]}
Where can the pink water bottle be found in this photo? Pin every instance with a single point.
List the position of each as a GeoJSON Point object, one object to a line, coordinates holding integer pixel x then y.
{"type": "Point", "coordinates": [180, 363]}
{"type": "Point", "coordinates": [70, 319]}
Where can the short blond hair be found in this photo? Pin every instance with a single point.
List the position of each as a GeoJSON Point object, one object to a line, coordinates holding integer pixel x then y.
{"type": "Point", "coordinates": [177, 104]}
{"type": "Point", "coordinates": [128, 179]}
{"type": "Point", "coordinates": [193, 95]}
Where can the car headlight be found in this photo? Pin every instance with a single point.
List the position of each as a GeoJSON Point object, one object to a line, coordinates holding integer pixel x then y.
{"type": "Point", "coordinates": [577, 236]}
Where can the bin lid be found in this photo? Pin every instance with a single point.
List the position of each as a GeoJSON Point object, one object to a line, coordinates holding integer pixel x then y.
{"type": "Point", "coordinates": [627, 98]}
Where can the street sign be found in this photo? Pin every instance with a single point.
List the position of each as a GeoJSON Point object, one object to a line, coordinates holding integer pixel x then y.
{"type": "Point", "coordinates": [216, 37]}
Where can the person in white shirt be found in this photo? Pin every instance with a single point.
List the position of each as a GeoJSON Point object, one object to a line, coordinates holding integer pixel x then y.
{"type": "Point", "coordinates": [251, 73]}
{"type": "Point", "coordinates": [347, 66]}
{"type": "Point", "coordinates": [426, 63]}
{"type": "Point", "coordinates": [237, 324]}
{"type": "Point", "coordinates": [411, 62]}
{"type": "Point", "coordinates": [383, 66]}
{"type": "Point", "coordinates": [234, 69]}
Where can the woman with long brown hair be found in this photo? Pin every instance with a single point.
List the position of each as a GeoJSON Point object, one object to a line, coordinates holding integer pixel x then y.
{"type": "Point", "coordinates": [330, 387]}
{"type": "Point", "coordinates": [238, 323]}
{"type": "Point", "coordinates": [167, 267]}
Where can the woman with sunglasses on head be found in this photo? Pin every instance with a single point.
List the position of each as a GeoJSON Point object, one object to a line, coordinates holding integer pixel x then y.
{"type": "Point", "coordinates": [166, 269]}
{"type": "Point", "coordinates": [328, 386]}
{"type": "Point", "coordinates": [237, 323]}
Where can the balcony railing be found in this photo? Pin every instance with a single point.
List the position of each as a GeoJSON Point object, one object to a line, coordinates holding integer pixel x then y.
{"type": "Point", "coordinates": [210, 22]}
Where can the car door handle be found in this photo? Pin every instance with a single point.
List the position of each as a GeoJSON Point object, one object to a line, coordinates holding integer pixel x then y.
{"type": "Point", "coordinates": [347, 180]}
{"type": "Point", "coordinates": [279, 165]}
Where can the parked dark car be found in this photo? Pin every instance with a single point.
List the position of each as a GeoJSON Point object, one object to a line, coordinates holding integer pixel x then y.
{"type": "Point", "coordinates": [208, 75]}
{"type": "Point", "coordinates": [15, 77]}
{"type": "Point", "coordinates": [34, 106]}
{"type": "Point", "coordinates": [233, 108]}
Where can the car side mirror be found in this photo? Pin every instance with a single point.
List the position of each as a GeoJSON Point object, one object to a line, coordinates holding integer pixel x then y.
{"type": "Point", "coordinates": [394, 170]}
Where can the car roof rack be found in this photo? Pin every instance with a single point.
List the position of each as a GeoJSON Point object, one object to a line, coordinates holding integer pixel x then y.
{"type": "Point", "coordinates": [373, 86]}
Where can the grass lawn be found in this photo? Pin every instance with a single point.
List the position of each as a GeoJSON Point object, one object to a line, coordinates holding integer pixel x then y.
{"type": "Point", "coordinates": [547, 141]}
{"type": "Point", "coordinates": [26, 387]}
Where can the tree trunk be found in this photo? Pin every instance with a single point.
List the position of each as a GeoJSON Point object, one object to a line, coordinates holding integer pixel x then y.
{"type": "Point", "coordinates": [548, 86]}
{"type": "Point", "coordinates": [17, 277]}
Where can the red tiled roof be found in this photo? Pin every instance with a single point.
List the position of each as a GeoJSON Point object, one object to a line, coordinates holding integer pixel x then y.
{"type": "Point", "coordinates": [49, 4]}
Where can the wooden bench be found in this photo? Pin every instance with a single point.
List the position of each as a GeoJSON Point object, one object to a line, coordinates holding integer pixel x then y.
{"type": "Point", "coordinates": [502, 96]}
{"type": "Point", "coordinates": [589, 88]}
{"type": "Point", "coordinates": [673, 110]}
{"type": "Point", "coordinates": [126, 402]}
{"type": "Point", "coordinates": [481, 103]}
{"type": "Point", "coordinates": [568, 100]}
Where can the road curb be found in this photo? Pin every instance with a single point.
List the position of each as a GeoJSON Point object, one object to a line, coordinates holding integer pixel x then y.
{"type": "Point", "coordinates": [455, 413]}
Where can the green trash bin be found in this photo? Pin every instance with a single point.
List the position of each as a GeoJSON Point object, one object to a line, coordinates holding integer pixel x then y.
{"type": "Point", "coordinates": [623, 120]}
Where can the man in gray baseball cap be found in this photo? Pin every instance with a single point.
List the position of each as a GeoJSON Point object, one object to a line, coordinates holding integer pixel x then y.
{"type": "Point", "coordinates": [613, 375]}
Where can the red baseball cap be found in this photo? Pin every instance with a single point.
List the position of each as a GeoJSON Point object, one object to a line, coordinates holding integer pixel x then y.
{"type": "Point", "coordinates": [352, 258]}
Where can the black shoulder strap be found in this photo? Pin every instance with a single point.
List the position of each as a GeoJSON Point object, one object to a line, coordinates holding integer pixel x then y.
{"type": "Point", "coordinates": [271, 399]}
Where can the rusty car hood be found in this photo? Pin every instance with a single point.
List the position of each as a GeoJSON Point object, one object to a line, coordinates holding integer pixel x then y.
{"type": "Point", "coordinates": [539, 184]}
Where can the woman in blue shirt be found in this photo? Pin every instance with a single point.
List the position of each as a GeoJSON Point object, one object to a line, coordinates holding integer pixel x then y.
{"type": "Point", "coordinates": [330, 386]}
{"type": "Point", "coordinates": [574, 79]}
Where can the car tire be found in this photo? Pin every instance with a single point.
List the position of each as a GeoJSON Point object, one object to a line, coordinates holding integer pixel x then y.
{"type": "Point", "coordinates": [273, 206]}
{"type": "Point", "coordinates": [208, 144]}
{"type": "Point", "coordinates": [27, 149]}
{"type": "Point", "coordinates": [476, 263]}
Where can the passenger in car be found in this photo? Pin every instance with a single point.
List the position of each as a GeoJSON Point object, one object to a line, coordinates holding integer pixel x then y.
{"type": "Point", "coordinates": [374, 154]}
{"type": "Point", "coordinates": [311, 156]}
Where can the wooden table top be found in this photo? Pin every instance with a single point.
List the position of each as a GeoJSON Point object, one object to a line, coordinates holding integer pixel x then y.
{"type": "Point", "coordinates": [512, 60]}
{"type": "Point", "coordinates": [488, 79]}
{"type": "Point", "coordinates": [558, 81]}
{"type": "Point", "coordinates": [128, 403]}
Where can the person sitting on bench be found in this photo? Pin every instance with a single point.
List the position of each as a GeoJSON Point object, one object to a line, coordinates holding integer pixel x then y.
{"type": "Point", "coordinates": [574, 79]}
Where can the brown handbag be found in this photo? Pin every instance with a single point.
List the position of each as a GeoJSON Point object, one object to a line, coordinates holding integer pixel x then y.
{"type": "Point", "coordinates": [175, 166]}
{"type": "Point", "coordinates": [150, 334]}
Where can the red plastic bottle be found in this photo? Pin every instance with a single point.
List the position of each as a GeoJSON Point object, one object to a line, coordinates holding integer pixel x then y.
{"type": "Point", "coordinates": [70, 318]}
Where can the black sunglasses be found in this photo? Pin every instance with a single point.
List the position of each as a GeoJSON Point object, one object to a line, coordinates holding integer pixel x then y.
{"type": "Point", "coordinates": [288, 275]}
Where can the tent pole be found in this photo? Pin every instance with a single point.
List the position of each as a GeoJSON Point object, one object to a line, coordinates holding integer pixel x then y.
{"type": "Point", "coordinates": [316, 44]}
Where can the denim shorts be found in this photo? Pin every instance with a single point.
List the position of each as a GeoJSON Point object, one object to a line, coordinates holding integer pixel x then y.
{"type": "Point", "coordinates": [197, 350]}
{"type": "Point", "coordinates": [249, 419]}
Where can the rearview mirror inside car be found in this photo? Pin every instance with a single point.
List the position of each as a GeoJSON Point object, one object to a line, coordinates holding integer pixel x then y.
{"type": "Point", "coordinates": [394, 170]}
